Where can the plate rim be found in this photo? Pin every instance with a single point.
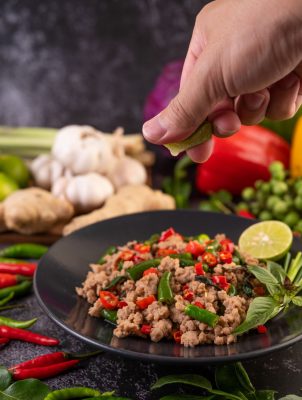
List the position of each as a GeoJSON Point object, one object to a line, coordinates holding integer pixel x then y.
{"type": "Point", "coordinates": [153, 357]}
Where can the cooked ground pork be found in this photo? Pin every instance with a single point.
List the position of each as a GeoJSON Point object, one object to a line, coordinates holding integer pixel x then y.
{"type": "Point", "coordinates": [201, 274]}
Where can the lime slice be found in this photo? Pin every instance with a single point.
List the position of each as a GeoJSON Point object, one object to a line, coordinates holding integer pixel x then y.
{"type": "Point", "coordinates": [269, 240]}
{"type": "Point", "coordinates": [201, 135]}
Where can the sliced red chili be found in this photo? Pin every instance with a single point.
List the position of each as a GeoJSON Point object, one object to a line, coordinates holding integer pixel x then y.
{"type": "Point", "coordinates": [142, 248]}
{"type": "Point", "coordinates": [188, 295]}
{"type": "Point", "coordinates": [166, 234]}
{"type": "Point", "coordinates": [151, 271]}
{"type": "Point", "coordinates": [221, 281]}
{"type": "Point", "coordinates": [198, 304]}
{"type": "Point", "coordinates": [199, 269]}
{"type": "Point", "coordinates": [261, 329]}
{"type": "Point", "coordinates": [177, 336]}
{"type": "Point", "coordinates": [210, 259]}
{"type": "Point", "coordinates": [184, 287]}
{"type": "Point", "coordinates": [225, 257]}
{"type": "Point", "coordinates": [122, 304]}
{"type": "Point", "coordinates": [126, 255]}
{"type": "Point", "coordinates": [165, 252]}
{"type": "Point", "coordinates": [108, 300]}
{"type": "Point", "coordinates": [146, 329]}
{"type": "Point", "coordinates": [195, 248]}
{"type": "Point", "coordinates": [145, 302]}
{"type": "Point", "coordinates": [227, 245]}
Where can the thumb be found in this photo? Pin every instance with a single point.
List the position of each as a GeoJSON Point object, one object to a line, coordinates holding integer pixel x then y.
{"type": "Point", "coordinates": [202, 90]}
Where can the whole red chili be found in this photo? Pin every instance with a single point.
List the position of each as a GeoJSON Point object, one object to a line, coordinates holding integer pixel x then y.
{"type": "Point", "coordinates": [7, 280]}
{"type": "Point", "coordinates": [151, 271]}
{"type": "Point", "coordinates": [225, 257]}
{"type": "Point", "coordinates": [166, 234]}
{"type": "Point", "coordinates": [27, 269]}
{"type": "Point", "coordinates": [146, 329]}
{"type": "Point", "coordinates": [188, 295]}
{"type": "Point", "coordinates": [195, 248]}
{"type": "Point", "coordinates": [27, 336]}
{"type": "Point", "coordinates": [245, 214]}
{"type": "Point", "coordinates": [142, 248]}
{"type": "Point", "coordinates": [122, 304]}
{"type": "Point", "coordinates": [198, 304]}
{"type": "Point", "coordinates": [261, 329]}
{"type": "Point", "coordinates": [199, 269]}
{"type": "Point", "coordinates": [108, 300]}
{"type": "Point", "coordinates": [165, 252]}
{"type": "Point", "coordinates": [4, 340]}
{"type": "Point", "coordinates": [227, 245]}
{"type": "Point", "coordinates": [209, 259]}
{"type": "Point", "coordinates": [177, 336]}
{"type": "Point", "coordinates": [43, 372]}
{"type": "Point", "coordinates": [145, 302]}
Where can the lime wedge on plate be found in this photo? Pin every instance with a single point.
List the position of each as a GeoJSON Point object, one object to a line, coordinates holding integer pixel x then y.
{"type": "Point", "coordinates": [269, 240]}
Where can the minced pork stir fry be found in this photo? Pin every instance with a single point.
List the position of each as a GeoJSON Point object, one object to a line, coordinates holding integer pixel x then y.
{"type": "Point", "coordinates": [192, 290]}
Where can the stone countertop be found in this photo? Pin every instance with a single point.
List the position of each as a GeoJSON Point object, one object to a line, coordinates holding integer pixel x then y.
{"type": "Point", "coordinates": [280, 371]}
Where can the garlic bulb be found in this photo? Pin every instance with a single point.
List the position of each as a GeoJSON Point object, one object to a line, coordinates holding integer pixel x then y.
{"type": "Point", "coordinates": [87, 192]}
{"type": "Point", "coordinates": [46, 171]}
{"type": "Point", "coordinates": [127, 171]}
{"type": "Point", "coordinates": [82, 149]}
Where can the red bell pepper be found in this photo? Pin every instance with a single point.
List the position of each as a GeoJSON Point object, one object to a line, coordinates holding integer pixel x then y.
{"type": "Point", "coordinates": [238, 161]}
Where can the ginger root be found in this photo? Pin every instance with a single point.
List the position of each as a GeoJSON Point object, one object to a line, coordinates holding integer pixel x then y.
{"type": "Point", "coordinates": [129, 199]}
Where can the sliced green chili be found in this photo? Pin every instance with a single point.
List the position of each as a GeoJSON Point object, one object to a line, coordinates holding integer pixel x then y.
{"type": "Point", "coordinates": [115, 281]}
{"type": "Point", "coordinates": [185, 256]}
{"type": "Point", "coordinates": [108, 252]}
{"type": "Point", "coordinates": [152, 239]}
{"type": "Point", "coordinates": [165, 294]}
{"type": "Point", "coordinates": [109, 315]}
{"type": "Point", "coordinates": [203, 238]}
{"type": "Point", "coordinates": [202, 315]}
{"type": "Point", "coordinates": [18, 290]}
{"type": "Point", "coordinates": [137, 270]}
{"type": "Point", "coordinates": [17, 324]}
{"type": "Point", "coordinates": [24, 250]}
{"type": "Point", "coordinates": [72, 393]}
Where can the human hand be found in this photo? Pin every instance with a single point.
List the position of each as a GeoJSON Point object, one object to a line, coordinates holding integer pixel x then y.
{"type": "Point", "coordinates": [244, 62]}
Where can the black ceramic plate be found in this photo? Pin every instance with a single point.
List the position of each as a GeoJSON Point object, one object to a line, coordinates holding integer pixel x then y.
{"type": "Point", "coordinates": [66, 264]}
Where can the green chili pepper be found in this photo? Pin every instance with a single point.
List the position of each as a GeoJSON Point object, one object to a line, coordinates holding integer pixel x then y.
{"type": "Point", "coordinates": [24, 250]}
{"type": "Point", "coordinates": [115, 281]}
{"type": "Point", "coordinates": [6, 299]}
{"type": "Point", "coordinates": [185, 256]}
{"type": "Point", "coordinates": [109, 315]}
{"type": "Point", "coordinates": [152, 239]}
{"type": "Point", "coordinates": [137, 270]}
{"type": "Point", "coordinates": [187, 263]}
{"type": "Point", "coordinates": [17, 324]}
{"type": "Point", "coordinates": [72, 393]}
{"type": "Point", "coordinates": [109, 252]}
{"type": "Point", "coordinates": [12, 307]}
{"type": "Point", "coordinates": [203, 238]}
{"type": "Point", "coordinates": [165, 294]}
{"type": "Point", "coordinates": [232, 291]}
{"type": "Point", "coordinates": [202, 315]}
{"type": "Point", "coordinates": [13, 261]}
{"type": "Point", "coordinates": [18, 290]}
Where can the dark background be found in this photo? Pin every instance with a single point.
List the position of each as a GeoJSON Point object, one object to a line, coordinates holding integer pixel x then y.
{"type": "Point", "coordinates": [86, 61]}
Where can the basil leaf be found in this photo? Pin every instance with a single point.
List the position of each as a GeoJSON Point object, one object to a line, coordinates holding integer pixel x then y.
{"type": "Point", "coordinates": [291, 397]}
{"type": "Point", "coordinates": [244, 378]}
{"type": "Point", "coordinates": [260, 311]}
{"type": "Point", "coordinates": [229, 396]}
{"type": "Point", "coordinates": [267, 278]}
{"type": "Point", "coordinates": [187, 379]}
{"type": "Point", "coordinates": [28, 389]}
{"type": "Point", "coordinates": [297, 300]}
{"type": "Point", "coordinates": [233, 378]}
{"type": "Point", "coordinates": [5, 378]}
{"type": "Point", "coordinates": [262, 395]}
{"type": "Point", "coordinates": [277, 270]}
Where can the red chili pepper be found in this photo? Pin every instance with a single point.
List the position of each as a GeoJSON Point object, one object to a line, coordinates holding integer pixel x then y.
{"type": "Point", "coordinates": [44, 372]}
{"type": "Point", "coordinates": [227, 245]}
{"type": "Point", "coordinates": [27, 336]}
{"type": "Point", "coordinates": [184, 287]}
{"type": "Point", "coordinates": [259, 290]}
{"type": "Point", "coordinates": [146, 329]}
{"type": "Point", "coordinates": [8, 280]}
{"type": "Point", "coordinates": [198, 304]}
{"type": "Point", "coordinates": [261, 329]}
{"type": "Point", "coordinates": [210, 259]}
{"type": "Point", "coordinates": [108, 300]}
{"type": "Point", "coordinates": [199, 269]}
{"type": "Point", "coordinates": [177, 336]}
{"type": "Point", "coordinates": [42, 361]}
{"type": "Point", "coordinates": [166, 234]}
{"type": "Point", "coordinates": [225, 257]}
{"type": "Point", "coordinates": [245, 214]}
{"type": "Point", "coordinates": [245, 157]}
{"type": "Point", "coordinates": [4, 340]}
{"type": "Point", "coordinates": [145, 302]}
{"type": "Point", "coordinates": [165, 252]}
{"type": "Point", "coordinates": [151, 271]}
{"type": "Point", "coordinates": [188, 295]}
{"type": "Point", "coordinates": [126, 255]}
{"type": "Point", "coordinates": [122, 304]}
{"type": "Point", "coordinates": [221, 281]}
{"type": "Point", "coordinates": [27, 269]}
{"type": "Point", "coordinates": [195, 248]}
{"type": "Point", "coordinates": [142, 248]}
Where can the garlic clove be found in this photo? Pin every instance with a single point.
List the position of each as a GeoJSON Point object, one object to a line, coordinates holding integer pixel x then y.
{"type": "Point", "coordinates": [127, 171]}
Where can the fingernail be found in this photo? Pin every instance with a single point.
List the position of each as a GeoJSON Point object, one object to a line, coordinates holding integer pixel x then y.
{"type": "Point", "coordinates": [253, 101]}
{"type": "Point", "coordinates": [153, 130]}
{"type": "Point", "coordinates": [289, 81]}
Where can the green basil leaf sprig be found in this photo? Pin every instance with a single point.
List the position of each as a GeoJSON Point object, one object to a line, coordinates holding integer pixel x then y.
{"type": "Point", "coordinates": [28, 389]}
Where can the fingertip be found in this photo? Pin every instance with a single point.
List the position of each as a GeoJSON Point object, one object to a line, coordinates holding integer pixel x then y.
{"type": "Point", "coordinates": [200, 154]}
{"type": "Point", "coordinates": [226, 123]}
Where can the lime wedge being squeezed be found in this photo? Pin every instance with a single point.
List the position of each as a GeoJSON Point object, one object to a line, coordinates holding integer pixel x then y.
{"type": "Point", "coordinates": [268, 240]}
